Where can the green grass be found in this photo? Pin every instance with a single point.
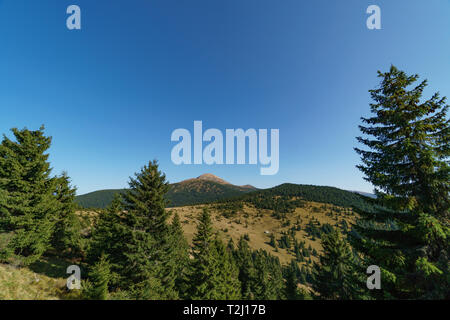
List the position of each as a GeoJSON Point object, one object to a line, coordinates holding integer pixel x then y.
{"type": "Point", "coordinates": [42, 280]}
{"type": "Point", "coordinates": [25, 284]}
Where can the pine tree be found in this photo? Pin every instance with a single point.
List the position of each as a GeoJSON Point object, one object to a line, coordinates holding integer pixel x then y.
{"type": "Point", "coordinates": [67, 231]}
{"type": "Point", "coordinates": [299, 256]}
{"type": "Point", "coordinates": [303, 275]}
{"type": "Point", "coordinates": [244, 260]}
{"type": "Point", "coordinates": [407, 234]}
{"type": "Point", "coordinates": [99, 277]}
{"type": "Point", "coordinates": [213, 274]}
{"type": "Point", "coordinates": [293, 276]}
{"type": "Point", "coordinates": [203, 269]}
{"type": "Point", "coordinates": [272, 242]}
{"type": "Point", "coordinates": [181, 255]}
{"type": "Point", "coordinates": [27, 202]}
{"type": "Point", "coordinates": [110, 237]}
{"type": "Point", "coordinates": [260, 273]}
{"type": "Point", "coordinates": [292, 290]}
{"type": "Point", "coordinates": [228, 284]}
{"type": "Point", "coordinates": [150, 263]}
{"type": "Point", "coordinates": [268, 282]}
{"type": "Point", "coordinates": [334, 276]}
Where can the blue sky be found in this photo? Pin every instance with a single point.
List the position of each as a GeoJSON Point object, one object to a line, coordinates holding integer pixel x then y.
{"type": "Point", "coordinates": [112, 93]}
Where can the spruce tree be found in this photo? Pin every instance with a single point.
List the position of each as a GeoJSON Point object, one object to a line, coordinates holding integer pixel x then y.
{"type": "Point", "coordinates": [268, 282]}
{"type": "Point", "coordinates": [67, 232]}
{"type": "Point", "coordinates": [272, 242]}
{"type": "Point", "coordinates": [202, 273]}
{"type": "Point", "coordinates": [99, 277]}
{"type": "Point", "coordinates": [181, 255]}
{"type": "Point", "coordinates": [228, 286]}
{"type": "Point", "coordinates": [28, 206]}
{"type": "Point", "coordinates": [293, 276]}
{"type": "Point", "coordinates": [213, 275]}
{"type": "Point", "coordinates": [407, 234]}
{"type": "Point", "coordinates": [292, 290]}
{"type": "Point", "coordinates": [244, 260]}
{"type": "Point", "coordinates": [110, 237]}
{"type": "Point", "coordinates": [334, 276]}
{"type": "Point", "coordinates": [150, 263]}
{"type": "Point", "coordinates": [303, 275]}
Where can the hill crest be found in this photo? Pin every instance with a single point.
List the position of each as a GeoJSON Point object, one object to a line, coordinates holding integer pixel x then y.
{"type": "Point", "coordinates": [203, 189]}
{"type": "Point", "coordinates": [213, 178]}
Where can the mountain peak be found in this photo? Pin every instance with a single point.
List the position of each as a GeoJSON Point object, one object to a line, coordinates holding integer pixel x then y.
{"type": "Point", "coordinates": [248, 186]}
{"type": "Point", "coordinates": [211, 177]}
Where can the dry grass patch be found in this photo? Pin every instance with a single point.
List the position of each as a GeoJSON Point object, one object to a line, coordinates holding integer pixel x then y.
{"type": "Point", "coordinates": [259, 224]}
{"type": "Point", "coordinates": [24, 284]}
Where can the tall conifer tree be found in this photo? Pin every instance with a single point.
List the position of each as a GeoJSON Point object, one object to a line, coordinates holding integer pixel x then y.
{"type": "Point", "coordinates": [213, 273]}
{"type": "Point", "coordinates": [149, 255]}
{"type": "Point", "coordinates": [99, 277]}
{"type": "Point", "coordinates": [334, 277]}
{"type": "Point", "coordinates": [110, 237]}
{"type": "Point", "coordinates": [228, 284]}
{"type": "Point", "coordinates": [181, 255]}
{"type": "Point", "coordinates": [244, 260]}
{"type": "Point", "coordinates": [27, 201]}
{"type": "Point", "coordinates": [204, 272]}
{"type": "Point", "coordinates": [268, 282]}
{"type": "Point", "coordinates": [292, 290]}
{"type": "Point", "coordinates": [407, 160]}
{"type": "Point", "coordinates": [67, 232]}
{"type": "Point", "coordinates": [260, 273]}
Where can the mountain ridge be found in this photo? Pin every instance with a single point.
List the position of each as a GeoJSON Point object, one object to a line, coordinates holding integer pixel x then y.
{"type": "Point", "coordinates": [205, 188]}
{"type": "Point", "coordinates": [209, 188]}
{"type": "Point", "coordinates": [213, 178]}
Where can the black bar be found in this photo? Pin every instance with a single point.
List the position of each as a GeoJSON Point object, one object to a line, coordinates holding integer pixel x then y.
{"type": "Point", "coordinates": [241, 309]}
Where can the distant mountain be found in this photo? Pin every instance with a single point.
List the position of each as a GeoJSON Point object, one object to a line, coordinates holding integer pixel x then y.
{"type": "Point", "coordinates": [209, 188]}
{"type": "Point", "coordinates": [366, 194]}
{"type": "Point", "coordinates": [281, 197]}
{"type": "Point", "coordinates": [205, 188]}
{"type": "Point", "coordinates": [208, 177]}
{"type": "Point", "coordinates": [98, 199]}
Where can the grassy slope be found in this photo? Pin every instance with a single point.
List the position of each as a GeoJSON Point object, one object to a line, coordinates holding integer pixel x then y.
{"type": "Point", "coordinates": [44, 280]}
{"type": "Point", "coordinates": [24, 284]}
{"type": "Point", "coordinates": [257, 222]}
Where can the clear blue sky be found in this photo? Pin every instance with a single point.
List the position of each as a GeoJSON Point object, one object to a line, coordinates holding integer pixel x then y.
{"type": "Point", "coordinates": [112, 93]}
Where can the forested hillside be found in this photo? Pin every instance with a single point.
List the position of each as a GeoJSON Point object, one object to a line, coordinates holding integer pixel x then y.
{"type": "Point", "coordinates": [98, 199]}
{"type": "Point", "coordinates": [286, 197]}
{"type": "Point", "coordinates": [188, 192]}
{"type": "Point", "coordinates": [200, 192]}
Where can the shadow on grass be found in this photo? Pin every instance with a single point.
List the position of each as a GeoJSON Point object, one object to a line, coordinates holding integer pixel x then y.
{"type": "Point", "coordinates": [52, 267]}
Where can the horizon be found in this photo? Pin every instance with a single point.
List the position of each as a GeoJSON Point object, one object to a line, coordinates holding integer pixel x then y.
{"type": "Point", "coordinates": [228, 182]}
{"type": "Point", "coordinates": [112, 93]}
